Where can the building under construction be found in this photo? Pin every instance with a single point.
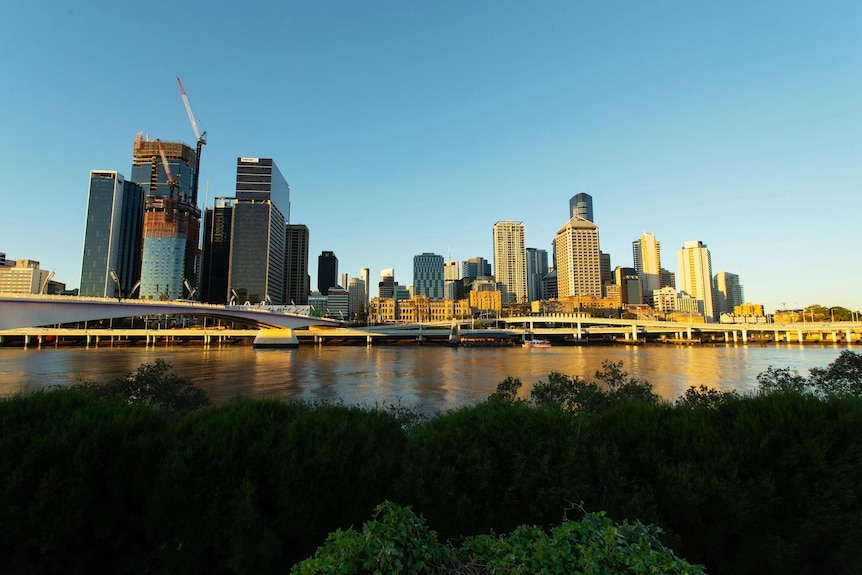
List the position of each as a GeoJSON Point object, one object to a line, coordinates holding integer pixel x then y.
{"type": "Point", "coordinates": [166, 171]}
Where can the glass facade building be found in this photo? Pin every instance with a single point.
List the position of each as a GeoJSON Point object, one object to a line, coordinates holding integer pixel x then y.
{"type": "Point", "coordinates": [581, 207]}
{"type": "Point", "coordinates": [537, 269]}
{"type": "Point", "coordinates": [327, 272]}
{"type": "Point", "coordinates": [297, 282]}
{"type": "Point", "coordinates": [215, 264]}
{"type": "Point", "coordinates": [112, 237]}
{"type": "Point", "coordinates": [428, 276]}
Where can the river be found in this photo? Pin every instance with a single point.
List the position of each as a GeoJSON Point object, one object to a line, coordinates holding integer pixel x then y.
{"type": "Point", "coordinates": [428, 377]}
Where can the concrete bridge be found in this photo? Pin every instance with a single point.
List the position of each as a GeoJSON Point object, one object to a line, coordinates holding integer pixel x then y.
{"type": "Point", "coordinates": [275, 324]}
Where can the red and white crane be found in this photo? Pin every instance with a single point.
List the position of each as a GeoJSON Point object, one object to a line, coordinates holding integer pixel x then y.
{"type": "Point", "coordinates": [171, 181]}
{"type": "Point", "coordinates": [201, 141]}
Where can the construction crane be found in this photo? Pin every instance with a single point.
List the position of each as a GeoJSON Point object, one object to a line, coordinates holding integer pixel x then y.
{"type": "Point", "coordinates": [201, 142]}
{"type": "Point", "coordinates": [171, 181]}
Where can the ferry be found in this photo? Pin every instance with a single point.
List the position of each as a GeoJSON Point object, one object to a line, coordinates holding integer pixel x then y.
{"type": "Point", "coordinates": [537, 343]}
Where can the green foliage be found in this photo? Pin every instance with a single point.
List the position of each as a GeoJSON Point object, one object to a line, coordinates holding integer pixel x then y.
{"type": "Point", "coordinates": [572, 393]}
{"type": "Point", "coordinates": [841, 377]}
{"type": "Point", "coordinates": [593, 545]}
{"type": "Point", "coordinates": [704, 396]}
{"type": "Point", "coordinates": [398, 541]}
{"type": "Point", "coordinates": [76, 478]}
{"type": "Point", "coordinates": [153, 385]}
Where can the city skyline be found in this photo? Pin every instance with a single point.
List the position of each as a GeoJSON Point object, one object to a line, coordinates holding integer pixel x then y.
{"type": "Point", "coordinates": [405, 130]}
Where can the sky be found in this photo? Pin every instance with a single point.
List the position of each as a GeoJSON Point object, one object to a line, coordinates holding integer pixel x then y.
{"type": "Point", "coordinates": [411, 127]}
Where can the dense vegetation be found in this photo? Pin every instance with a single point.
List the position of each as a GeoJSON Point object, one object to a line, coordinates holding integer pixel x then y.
{"type": "Point", "coordinates": [142, 477]}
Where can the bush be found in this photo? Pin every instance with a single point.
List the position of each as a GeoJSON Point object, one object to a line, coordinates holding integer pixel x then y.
{"type": "Point", "coordinates": [397, 541]}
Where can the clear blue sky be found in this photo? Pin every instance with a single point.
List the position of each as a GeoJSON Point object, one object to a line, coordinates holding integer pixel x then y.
{"type": "Point", "coordinates": [410, 127]}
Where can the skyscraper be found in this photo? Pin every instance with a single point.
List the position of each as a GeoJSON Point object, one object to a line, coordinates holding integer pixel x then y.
{"type": "Point", "coordinates": [694, 266]}
{"type": "Point", "coordinates": [365, 276]}
{"type": "Point", "coordinates": [171, 219]}
{"type": "Point", "coordinates": [476, 268]}
{"type": "Point", "coordinates": [112, 239]}
{"type": "Point", "coordinates": [215, 260]}
{"type": "Point", "coordinates": [451, 275]}
{"type": "Point", "coordinates": [386, 287]}
{"type": "Point", "coordinates": [510, 260]}
{"type": "Point", "coordinates": [578, 263]}
{"type": "Point", "coordinates": [728, 292]}
{"type": "Point", "coordinates": [646, 252]}
{"type": "Point", "coordinates": [581, 207]}
{"type": "Point", "coordinates": [356, 290]}
{"type": "Point", "coordinates": [537, 269]}
{"type": "Point", "coordinates": [327, 271]}
{"type": "Point", "coordinates": [428, 275]}
{"type": "Point", "coordinates": [260, 214]}
{"type": "Point", "coordinates": [296, 278]}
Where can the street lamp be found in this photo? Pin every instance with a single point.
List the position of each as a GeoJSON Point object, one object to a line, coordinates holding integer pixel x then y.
{"type": "Point", "coordinates": [114, 277]}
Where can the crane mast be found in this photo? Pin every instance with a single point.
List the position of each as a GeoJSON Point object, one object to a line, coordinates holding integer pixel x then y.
{"type": "Point", "coordinates": [201, 142]}
{"type": "Point", "coordinates": [171, 181]}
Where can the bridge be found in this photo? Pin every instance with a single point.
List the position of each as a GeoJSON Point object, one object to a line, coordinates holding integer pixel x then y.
{"type": "Point", "coordinates": [43, 315]}
{"type": "Point", "coordinates": [275, 324]}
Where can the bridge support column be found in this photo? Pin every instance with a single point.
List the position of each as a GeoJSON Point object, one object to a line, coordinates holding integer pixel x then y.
{"type": "Point", "coordinates": [847, 338]}
{"type": "Point", "coordinates": [834, 337]}
{"type": "Point", "coordinates": [689, 333]}
{"type": "Point", "coordinates": [275, 337]}
{"type": "Point", "coordinates": [580, 332]}
{"type": "Point", "coordinates": [726, 337]}
{"type": "Point", "coordinates": [745, 336]}
{"type": "Point", "coordinates": [634, 332]}
{"type": "Point", "coordinates": [26, 341]}
{"type": "Point", "coordinates": [801, 336]}
{"type": "Point", "coordinates": [734, 337]}
{"type": "Point", "coordinates": [368, 340]}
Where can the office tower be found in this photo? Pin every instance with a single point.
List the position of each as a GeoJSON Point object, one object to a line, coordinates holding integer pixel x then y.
{"type": "Point", "coordinates": [365, 276]}
{"type": "Point", "coordinates": [24, 276]}
{"type": "Point", "coordinates": [510, 260]}
{"type": "Point", "coordinates": [327, 271]}
{"type": "Point", "coordinates": [451, 275]}
{"type": "Point", "coordinates": [629, 282]}
{"type": "Point", "coordinates": [258, 232]}
{"type": "Point", "coordinates": [646, 252]}
{"type": "Point", "coordinates": [581, 207]}
{"type": "Point", "coordinates": [428, 278]}
{"type": "Point", "coordinates": [667, 278]}
{"type": "Point", "coordinates": [356, 290]}
{"type": "Point", "coordinates": [112, 237]}
{"type": "Point", "coordinates": [605, 266]}
{"type": "Point", "coordinates": [296, 273]}
{"type": "Point", "coordinates": [171, 219]}
{"type": "Point", "coordinates": [215, 260]}
{"type": "Point", "coordinates": [476, 268]}
{"type": "Point", "coordinates": [694, 265]}
{"type": "Point", "coordinates": [386, 287]}
{"type": "Point", "coordinates": [338, 303]}
{"type": "Point", "coordinates": [578, 262]}
{"type": "Point", "coordinates": [537, 269]}
{"type": "Point", "coordinates": [728, 292]}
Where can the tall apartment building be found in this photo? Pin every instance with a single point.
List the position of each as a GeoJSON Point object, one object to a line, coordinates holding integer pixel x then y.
{"type": "Point", "coordinates": [537, 269]}
{"type": "Point", "coordinates": [112, 236]}
{"type": "Point", "coordinates": [24, 276]}
{"type": "Point", "coordinates": [581, 207]}
{"type": "Point", "coordinates": [357, 292]}
{"type": "Point", "coordinates": [694, 266]}
{"type": "Point", "coordinates": [646, 252]}
{"type": "Point", "coordinates": [428, 276]}
{"type": "Point", "coordinates": [578, 263]}
{"type": "Point", "coordinates": [510, 260]}
{"type": "Point", "coordinates": [171, 218]}
{"type": "Point", "coordinates": [296, 279]}
{"type": "Point", "coordinates": [327, 271]}
{"type": "Point", "coordinates": [365, 276]}
{"type": "Point", "coordinates": [728, 292]}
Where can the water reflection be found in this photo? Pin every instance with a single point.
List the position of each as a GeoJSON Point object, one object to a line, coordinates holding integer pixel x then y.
{"type": "Point", "coordinates": [434, 378]}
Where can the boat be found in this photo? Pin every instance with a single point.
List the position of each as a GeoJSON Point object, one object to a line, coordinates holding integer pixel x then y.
{"type": "Point", "coordinates": [537, 343]}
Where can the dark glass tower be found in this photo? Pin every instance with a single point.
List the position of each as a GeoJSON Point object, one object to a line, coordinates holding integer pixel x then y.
{"type": "Point", "coordinates": [215, 265]}
{"type": "Point", "coordinates": [296, 270]}
{"type": "Point", "coordinates": [112, 240]}
{"type": "Point", "coordinates": [327, 272]}
{"type": "Point", "coordinates": [581, 207]}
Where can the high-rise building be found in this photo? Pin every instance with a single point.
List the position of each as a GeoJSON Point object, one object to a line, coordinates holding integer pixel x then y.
{"type": "Point", "coordinates": [258, 242]}
{"type": "Point", "coordinates": [428, 278]}
{"type": "Point", "coordinates": [24, 276]}
{"type": "Point", "coordinates": [578, 263]}
{"type": "Point", "coordinates": [171, 219]}
{"type": "Point", "coordinates": [694, 266]}
{"type": "Point", "coordinates": [296, 278]}
{"type": "Point", "coordinates": [215, 260]}
{"type": "Point", "coordinates": [537, 269]}
{"type": "Point", "coordinates": [476, 268]}
{"type": "Point", "coordinates": [365, 276]}
{"type": "Point", "coordinates": [112, 238]}
{"type": "Point", "coordinates": [606, 269]}
{"type": "Point", "coordinates": [581, 207]}
{"type": "Point", "coordinates": [646, 252]}
{"type": "Point", "coordinates": [451, 276]}
{"type": "Point", "coordinates": [728, 292]}
{"type": "Point", "coordinates": [356, 289]}
{"type": "Point", "coordinates": [386, 287]}
{"type": "Point", "coordinates": [629, 282]}
{"type": "Point", "coordinates": [667, 278]}
{"type": "Point", "coordinates": [510, 260]}
{"type": "Point", "coordinates": [327, 272]}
